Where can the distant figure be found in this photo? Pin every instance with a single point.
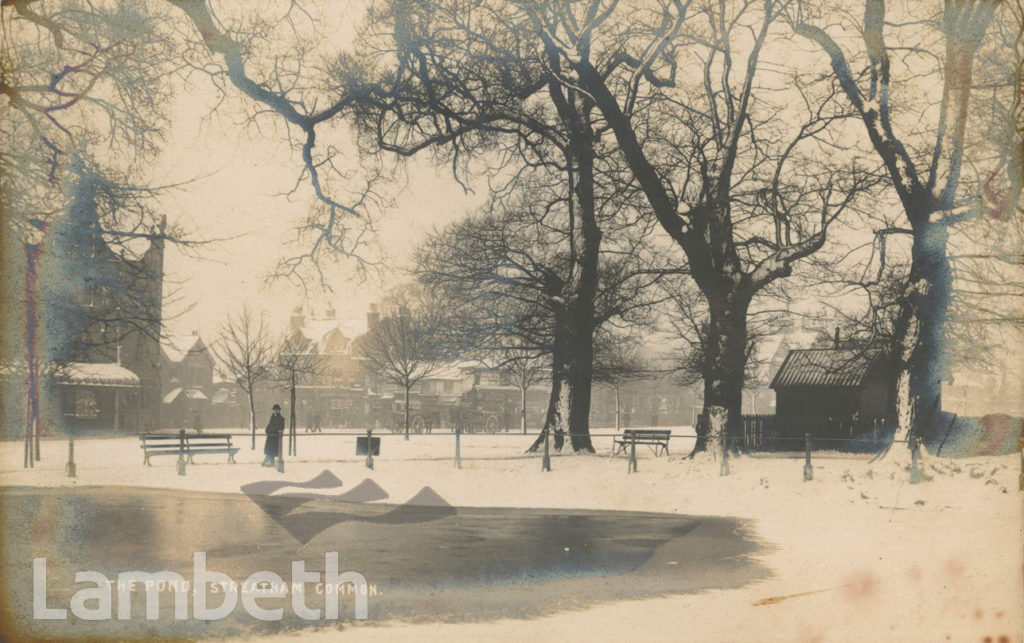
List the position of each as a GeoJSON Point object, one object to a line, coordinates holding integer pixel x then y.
{"type": "Point", "coordinates": [275, 429]}
{"type": "Point", "coordinates": [309, 421]}
{"type": "Point", "coordinates": [559, 432]}
{"type": "Point", "coordinates": [316, 422]}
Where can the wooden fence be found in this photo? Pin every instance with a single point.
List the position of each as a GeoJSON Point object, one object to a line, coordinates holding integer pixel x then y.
{"type": "Point", "coordinates": [771, 433]}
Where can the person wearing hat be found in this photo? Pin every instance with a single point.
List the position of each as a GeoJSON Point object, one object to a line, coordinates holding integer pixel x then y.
{"type": "Point", "coordinates": [275, 428]}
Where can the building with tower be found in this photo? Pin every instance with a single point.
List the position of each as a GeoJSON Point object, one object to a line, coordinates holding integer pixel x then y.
{"type": "Point", "coordinates": [100, 295]}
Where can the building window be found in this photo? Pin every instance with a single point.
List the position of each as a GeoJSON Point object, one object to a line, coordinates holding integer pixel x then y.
{"type": "Point", "coordinates": [449, 386]}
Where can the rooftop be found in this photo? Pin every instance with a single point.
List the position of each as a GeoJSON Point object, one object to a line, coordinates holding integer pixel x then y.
{"type": "Point", "coordinates": [176, 348]}
{"type": "Point", "coordinates": [103, 374]}
{"type": "Point", "coordinates": [824, 367]}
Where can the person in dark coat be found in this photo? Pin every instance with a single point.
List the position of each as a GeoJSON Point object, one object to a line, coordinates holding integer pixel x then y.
{"type": "Point", "coordinates": [275, 429]}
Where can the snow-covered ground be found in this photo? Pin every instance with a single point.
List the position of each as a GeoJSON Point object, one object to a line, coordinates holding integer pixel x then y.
{"type": "Point", "coordinates": [857, 554]}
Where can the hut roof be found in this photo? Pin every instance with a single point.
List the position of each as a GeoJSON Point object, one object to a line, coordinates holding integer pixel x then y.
{"type": "Point", "coordinates": [824, 367]}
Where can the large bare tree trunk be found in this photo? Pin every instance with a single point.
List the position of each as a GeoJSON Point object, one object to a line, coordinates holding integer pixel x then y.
{"type": "Point", "coordinates": [920, 335]}
{"type": "Point", "coordinates": [554, 399]}
{"type": "Point", "coordinates": [725, 362]}
{"type": "Point", "coordinates": [579, 384]}
{"type": "Point", "coordinates": [581, 352]}
{"type": "Point", "coordinates": [579, 413]}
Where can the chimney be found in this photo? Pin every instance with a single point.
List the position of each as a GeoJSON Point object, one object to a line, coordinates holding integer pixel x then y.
{"type": "Point", "coordinates": [835, 339]}
{"type": "Point", "coordinates": [372, 317]}
{"type": "Point", "coordinates": [298, 319]}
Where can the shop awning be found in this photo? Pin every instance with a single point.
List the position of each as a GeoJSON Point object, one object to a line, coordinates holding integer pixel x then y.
{"type": "Point", "coordinates": [100, 374]}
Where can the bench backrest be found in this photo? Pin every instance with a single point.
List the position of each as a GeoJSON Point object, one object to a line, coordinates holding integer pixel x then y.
{"type": "Point", "coordinates": [199, 441]}
{"type": "Point", "coordinates": [173, 441]}
{"type": "Point", "coordinates": [646, 434]}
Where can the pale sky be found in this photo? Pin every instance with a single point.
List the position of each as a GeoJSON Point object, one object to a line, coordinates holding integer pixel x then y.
{"type": "Point", "coordinates": [238, 178]}
{"type": "Point", "coordinates": [239, 174]}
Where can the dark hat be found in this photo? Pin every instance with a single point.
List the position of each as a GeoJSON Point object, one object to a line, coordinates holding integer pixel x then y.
{"type": "Point", "coordinates": [277, 407]}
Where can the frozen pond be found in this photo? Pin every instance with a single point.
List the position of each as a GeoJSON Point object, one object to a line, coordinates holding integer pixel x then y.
{"type": "Point", "coordinates": [431, 562]}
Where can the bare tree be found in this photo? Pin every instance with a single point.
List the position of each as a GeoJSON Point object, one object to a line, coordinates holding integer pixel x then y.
{"type": "Point", "coordinates": [510, 274]}
{"type": "Point", "coordinates": [404, 346]}
{"type": "Point", "coordinates": [617, 361]}
{"type": "Point", "coordinates": [926, 173]}
{"type": "Point", "coordinates": [506, 277]}
{"type": "Point", "coordinates": [732, 177]}
{"type": "Point", "coordinates": [297, 361]}
{"type": "Point", "coordinates": [246, 354]}
{"type": "Point", "coordinates": [525, 369]}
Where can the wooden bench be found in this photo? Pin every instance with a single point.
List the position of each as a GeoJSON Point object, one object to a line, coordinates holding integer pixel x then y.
{"type": "Point", "coordinates": [162, 444]}
{"type": "Point", "coordinates": [188, 444]}
{"type": "Point", "coordinates": [656, 439]}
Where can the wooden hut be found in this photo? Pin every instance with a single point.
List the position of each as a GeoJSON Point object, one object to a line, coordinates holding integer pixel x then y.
{"type": "Point", "coordinates": [830, 393]}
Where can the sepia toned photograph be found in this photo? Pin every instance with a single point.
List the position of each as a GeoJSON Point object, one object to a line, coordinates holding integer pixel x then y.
{"type": "Point", "coordinates": [512, 320]}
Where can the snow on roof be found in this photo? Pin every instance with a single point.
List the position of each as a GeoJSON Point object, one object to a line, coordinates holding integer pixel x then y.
{"type": "Point", "coordinates": [99, 374]}
{"type": "Point", "coordinates": [824, 367]}
{"type": "Point", "coordinates": [316, 330]}
{"type": "Point", "coordinates": [448, 372]}
{"type": "Point", "coordinates": [189, 394]}
{"type": "Point", "coordinates": [176, 348]}
{"type": "Point", "coordinates": [472, 365]}
{"type": "Point", "coordinates": [352, 327]}
{"type": "Point", "coordinates": [319, 330]}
